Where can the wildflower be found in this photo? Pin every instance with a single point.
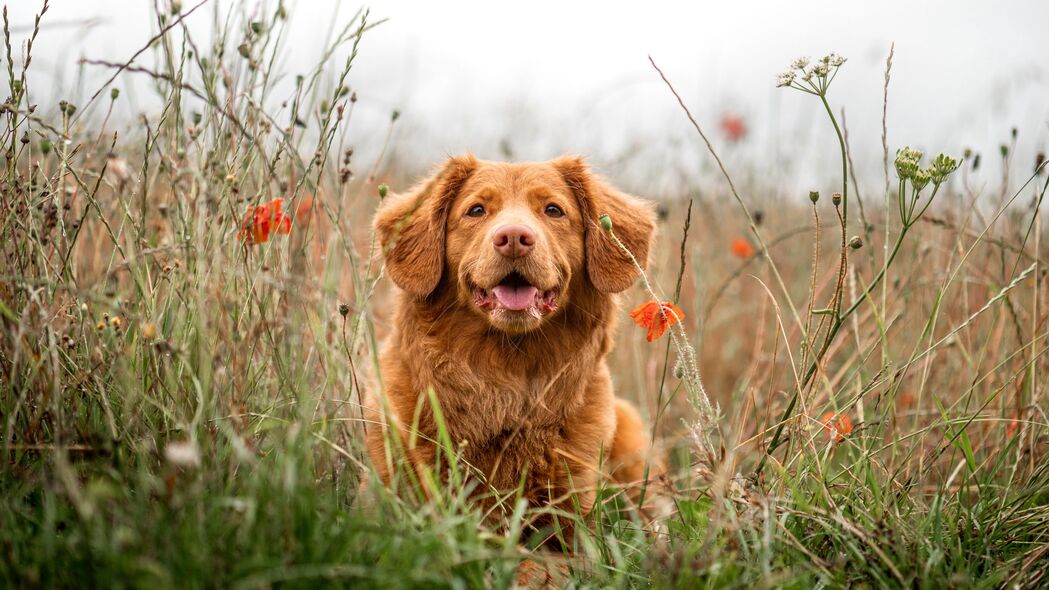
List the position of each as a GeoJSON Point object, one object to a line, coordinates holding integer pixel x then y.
{"type": "Point", "coordinates": [785, 79]}
{"type": "Point", "coordinates": [834, 60]}
{"type": "Point", "coordinates": [733, 126]}
{"type": "Point", "coordinates": [921, 178]}
{"type": "Point", "coordinates": [907, 162]}
{"type": "Point", "coordinates": [1014, 425]}
{"type": "Point", "coordinates": [942, 167]}
{"type": "Point", "coordinates": [800, 64]}
{"type": "Point", "coordinates": [819, 70]}
{"type": "Point", "coordinates": [115, 321]}
{"type": "Point", "coordinates": [263, 220]}
{"type": "Point", "coordinates": [838, 426]}
{"type": "Point", "coordinates": [656, 317]}
{"type": "Point", "coordinates": [148, 330]}
{"type": "Point", "coordinates": [304, 208]}
{"type": "Point", "coordinates": [742, 248]}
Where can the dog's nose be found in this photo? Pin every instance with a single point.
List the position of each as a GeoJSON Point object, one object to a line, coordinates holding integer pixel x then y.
{"type": "Point", "coordinates": [514, 241]}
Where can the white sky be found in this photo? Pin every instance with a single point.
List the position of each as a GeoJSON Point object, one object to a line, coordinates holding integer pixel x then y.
{"type": "Point", "coordinates": [549, 77]}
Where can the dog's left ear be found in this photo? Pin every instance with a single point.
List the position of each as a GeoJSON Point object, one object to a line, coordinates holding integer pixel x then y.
{"type": "Point", "coordinates": [411, 227]}
{"type": "Point", "coordinates": [610, 269]}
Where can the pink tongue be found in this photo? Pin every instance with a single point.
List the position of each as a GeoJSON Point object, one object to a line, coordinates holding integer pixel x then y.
{"type": "Point", "coordinates": [515, 298]}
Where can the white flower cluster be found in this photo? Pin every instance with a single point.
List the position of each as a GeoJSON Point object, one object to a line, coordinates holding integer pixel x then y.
{"type": "Point", "coordinates": [806, 70]}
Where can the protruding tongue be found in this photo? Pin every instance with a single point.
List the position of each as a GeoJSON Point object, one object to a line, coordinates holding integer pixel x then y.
{"type": "Point", "coordinates": [515, 298]}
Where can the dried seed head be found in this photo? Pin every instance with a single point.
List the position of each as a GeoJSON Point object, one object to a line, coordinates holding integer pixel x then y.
{"type": "Point", "coordinates": [148, 330]}
{"type": "Point", "coordinates": [1039, 161]}
{"type": "Point", "coordinates": [344, 309]}
{"type": "Point", "coordinates": [835, 198]}
{"type": "Point", "coordinates": [856, 243]}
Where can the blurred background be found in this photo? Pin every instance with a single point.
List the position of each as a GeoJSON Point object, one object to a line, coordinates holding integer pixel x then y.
{"type": "Point", "coordinates": [510, 81]}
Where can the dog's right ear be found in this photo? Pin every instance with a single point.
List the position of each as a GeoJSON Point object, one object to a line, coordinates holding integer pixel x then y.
{"type": "Point", "coordinates": [411, 227]}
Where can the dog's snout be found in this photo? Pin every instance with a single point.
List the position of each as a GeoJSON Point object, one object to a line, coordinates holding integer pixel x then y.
{"type": "Point", "coordinates": [513, 241]}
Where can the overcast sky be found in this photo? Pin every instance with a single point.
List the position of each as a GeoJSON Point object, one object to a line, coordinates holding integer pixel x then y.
{"type": "Point", "coordinates": [542, 77]}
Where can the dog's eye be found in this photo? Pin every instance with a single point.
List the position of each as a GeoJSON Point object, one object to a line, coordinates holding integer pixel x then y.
{"type": "Point", "coordinates": [475, 211]}
{"type": "Point", "coordinates": [554, 211]}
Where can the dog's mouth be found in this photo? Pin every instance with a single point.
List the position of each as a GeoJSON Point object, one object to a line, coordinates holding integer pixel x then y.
{"type": "Point", "coordinates": [514, 293]}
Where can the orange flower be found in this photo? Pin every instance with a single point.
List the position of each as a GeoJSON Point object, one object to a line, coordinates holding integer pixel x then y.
{"type": "Point", "coordinates": [657, 317]}
{"type": "Point", "coordinates": [742, 248]}
{"type": "Point", "coordinates": [838, 426]}
{"type": "Point", "coordinates": [733, 126]}
{"type": "Point", "coordinates": [305, 208]}
{"type": "Point", "coordinates": [1013, 426]}
{"type": "Point", "coordinates": [263, 220]}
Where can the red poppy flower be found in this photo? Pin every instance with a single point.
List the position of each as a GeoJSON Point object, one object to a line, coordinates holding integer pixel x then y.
{"type": "Point", "coordinates": [838, 426]}
{"type": "Point", "coordinates": [733, 126]}
{"type": "Point", "coordinates": [263, 220]}
{"type": "Point", "coordinates": [742, 248]}
{"type": "Point", "coordinates": [657, 317]}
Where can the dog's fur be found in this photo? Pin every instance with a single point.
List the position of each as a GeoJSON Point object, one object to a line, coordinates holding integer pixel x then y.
{"type": "Point", "coordinates": [521, 392]}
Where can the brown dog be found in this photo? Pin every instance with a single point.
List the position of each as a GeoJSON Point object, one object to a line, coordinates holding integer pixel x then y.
{"type": "Point", "coordinates": [507, 312]}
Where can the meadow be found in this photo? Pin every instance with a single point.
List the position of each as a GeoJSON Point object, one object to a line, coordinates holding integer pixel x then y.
{"type": "Point", "coordinates": [855, 397]}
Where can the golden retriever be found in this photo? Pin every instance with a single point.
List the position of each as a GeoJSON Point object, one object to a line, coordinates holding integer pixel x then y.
{"type": "Point", "coordinates": [507, 312]}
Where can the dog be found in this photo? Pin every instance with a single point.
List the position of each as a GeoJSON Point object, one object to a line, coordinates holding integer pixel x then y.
{"type": "Point", "coordinates": [506, 312]}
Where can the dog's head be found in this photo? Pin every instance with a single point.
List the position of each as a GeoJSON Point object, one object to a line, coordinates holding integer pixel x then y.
{"type": "Point", "coordinates": [513, 242]}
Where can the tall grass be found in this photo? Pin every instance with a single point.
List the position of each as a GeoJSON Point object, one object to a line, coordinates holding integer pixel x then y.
{"type": "Point", "coordinates": [180, 407]}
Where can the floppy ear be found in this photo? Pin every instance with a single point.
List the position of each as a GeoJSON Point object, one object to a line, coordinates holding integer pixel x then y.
{"type": "Point", "coordinates": [610, 269]}
{"type": "Point", "coordinates": [411, 227]}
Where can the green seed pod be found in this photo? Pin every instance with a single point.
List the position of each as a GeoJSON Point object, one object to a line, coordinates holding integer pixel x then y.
{"type": "Point", "coordinates": [606, 222]}
{"type": "Point", "coordinates": [814, 196]}
{"type": "Point", "coordinates": [383, 189]}
{"type": "Point", "coordinates": [114, 94]}
{"type": "Point", "coordinates": [244, 49]}
{"type": "Point", "coordinates": [836, 199]}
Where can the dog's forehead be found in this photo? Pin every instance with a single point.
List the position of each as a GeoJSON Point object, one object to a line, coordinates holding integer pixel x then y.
{"type": "Point", "coordinates": [515, 179]}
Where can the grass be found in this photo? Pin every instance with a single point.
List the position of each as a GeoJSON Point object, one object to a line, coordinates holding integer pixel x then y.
{"type": "Point", "coordinates": [180, 409]}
